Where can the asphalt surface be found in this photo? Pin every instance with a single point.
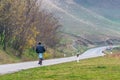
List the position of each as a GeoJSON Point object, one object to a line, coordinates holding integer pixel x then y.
{"type": "Point", "coordinates": [11, 68]}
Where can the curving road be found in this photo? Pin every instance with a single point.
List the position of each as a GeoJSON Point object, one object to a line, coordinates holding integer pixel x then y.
{"type": "Point", "coordinates": [10, 68]}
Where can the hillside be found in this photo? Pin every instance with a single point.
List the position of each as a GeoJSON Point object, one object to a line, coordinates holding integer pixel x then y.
{"type": "Point", "coordinates": [106, 8]}
{"type": "Point", "coordinates": [81, 21]}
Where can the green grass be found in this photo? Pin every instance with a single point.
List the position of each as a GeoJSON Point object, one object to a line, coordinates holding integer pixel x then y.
{"type": "Point", "coordinates": [102, 68]}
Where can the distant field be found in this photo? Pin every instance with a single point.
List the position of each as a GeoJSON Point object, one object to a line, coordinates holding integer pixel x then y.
{"type": "Point", "coordinates": [102, 68]}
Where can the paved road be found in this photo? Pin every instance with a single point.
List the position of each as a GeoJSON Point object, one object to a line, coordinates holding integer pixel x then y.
{"type": "Point", "coordinates": [10, 68]}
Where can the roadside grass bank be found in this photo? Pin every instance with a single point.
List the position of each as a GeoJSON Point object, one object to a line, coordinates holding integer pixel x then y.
{"type": "Point", "coordinates": [102, 68]}
{"type": "Point", "coordinates": [11, 55]}
{"type": "Point", "coordinates": [115, 52]}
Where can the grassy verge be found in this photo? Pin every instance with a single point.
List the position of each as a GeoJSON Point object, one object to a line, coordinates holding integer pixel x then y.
{"type": "Point", "coordinates": [11, 55]}
{"type": "Point", "coordinates": [116, 50]}
{"type": "Point", "coordinates": [102, 68]}
{"type": "Point", "coordinates": [6, 58]}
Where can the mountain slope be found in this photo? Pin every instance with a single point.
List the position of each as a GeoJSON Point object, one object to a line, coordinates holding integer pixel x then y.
{"type": "Point", "coordinates": [81, 21]}
{"type": "Point", "coordinates": [107, 8]}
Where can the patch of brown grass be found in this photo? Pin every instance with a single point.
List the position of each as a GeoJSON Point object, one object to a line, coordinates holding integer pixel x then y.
{"type": "Point", "coordinates": [5, 58]}
{"type": "Point", "coordinates": [116, 55]}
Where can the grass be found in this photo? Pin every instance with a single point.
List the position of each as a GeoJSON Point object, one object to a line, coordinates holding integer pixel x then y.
{"type": "Point", "coordinates": [5, 58]}
{"type": "Point", "coordinates": [116, 50]}
{"type": "Point", "coordinates": [9, 56]}
{"type": "Point", "coordinates": [102, 68]}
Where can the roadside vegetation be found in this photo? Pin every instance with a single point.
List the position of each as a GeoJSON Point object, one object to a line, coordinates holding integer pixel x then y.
{"type": "Point", "coordinates": [23, 23]}
{"type": "Point", "coordinates": [115, 52]}
{"type": "Point", "coordinates": [102, 68]}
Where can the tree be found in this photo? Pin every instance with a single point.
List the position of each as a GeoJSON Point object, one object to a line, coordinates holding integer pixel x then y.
{"type": "Point", "coordinates": [49, 27]}
{"type": "Point", "coordinates": [5, 25]}
{"type": "Point", "coordinates": [23, 24]}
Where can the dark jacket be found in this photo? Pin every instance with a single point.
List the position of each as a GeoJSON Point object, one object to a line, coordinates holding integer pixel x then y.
{"type": "Point", "coordinates": [40, 49]}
